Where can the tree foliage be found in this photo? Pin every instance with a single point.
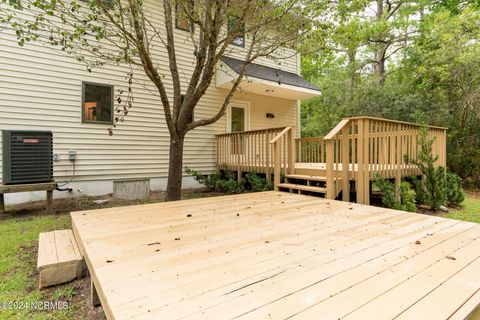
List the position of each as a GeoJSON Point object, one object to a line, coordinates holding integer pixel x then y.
{"type": "Point", "coordinates": [435, 71]}
{"type": "Point", "coordinates": [455, 194]}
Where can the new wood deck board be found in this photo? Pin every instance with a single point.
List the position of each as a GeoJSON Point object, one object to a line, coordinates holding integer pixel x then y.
{"type": "Point", "coordinates": [276, 255]}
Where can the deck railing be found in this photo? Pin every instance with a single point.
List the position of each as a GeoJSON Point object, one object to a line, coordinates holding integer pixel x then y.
{"type": "Point", "coordinates": [310, 150]}
{"type": "Point", "coordinates": [359, 148]}
{"type": "Point", "coordinates": [252, 151]}
{"type": "Point", "coordinates": [355, 150]}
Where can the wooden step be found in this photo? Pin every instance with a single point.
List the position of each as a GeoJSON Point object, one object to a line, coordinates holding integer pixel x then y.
{"type": "Point", "coordinates": [59, 259]}
{"type": "Point", "coordinates": [302, 187]}
{"type": "Point", "coordinates": [306, 177]}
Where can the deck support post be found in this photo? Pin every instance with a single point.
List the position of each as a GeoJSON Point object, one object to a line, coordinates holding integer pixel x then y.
{"type": "Point", "coordinates": [2, 203]}
{"type": "Point", "coordinates": [398, 181]}
{"type": "Point", "coordinates": [268, 173]}
{"type": "Point", "coordinates": [345, 165]}
{"type": "Point", "coordinates": [49, 201]}
{"type": "Point", "coordinates": [366, 163]}
{"type": "Point", "coordinates": [291, 151]}
{"type": "Point", "coordinates": [359, 177]}
{"type": "Point", "coordinates": [363, 176]}
{"type": "Point", "coordinates": [276, 165]}
{"type": "Point", "coordinates": [94, 300]}
{"type": "Point", "coordinates": [329, 150]}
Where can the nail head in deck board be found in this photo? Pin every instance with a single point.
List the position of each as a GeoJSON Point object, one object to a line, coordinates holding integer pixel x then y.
{"type": "Point", "coordinates": [59, 259]}
{"type": "Point", "coordinates": [366, 241]}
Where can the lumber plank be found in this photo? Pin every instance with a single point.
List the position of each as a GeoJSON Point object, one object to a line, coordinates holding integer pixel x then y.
{"type": "Point", "coordinates": [447, 296]}
{"type": "Point", "coordinates": [12, 188]}
{"type": "Point", "coordinates": [408, 292]}
{"type": "Point", "coordinates": [47, 253]}
{"type": "Point", "coordinates": [469, 310]}
{"type": "Point", "coordinates": [59, 259]}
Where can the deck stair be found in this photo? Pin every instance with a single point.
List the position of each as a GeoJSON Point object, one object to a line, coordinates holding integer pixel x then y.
{"type": "Point", "coordinates": [301, 187]}
{"type": "Point", "coordinates": [59, 259]}
{"type": "Point", "coordinates": [301, 182]}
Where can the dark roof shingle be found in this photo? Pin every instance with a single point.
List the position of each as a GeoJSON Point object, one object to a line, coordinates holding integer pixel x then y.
{"type": "Point", "coordinates": [270, 74]}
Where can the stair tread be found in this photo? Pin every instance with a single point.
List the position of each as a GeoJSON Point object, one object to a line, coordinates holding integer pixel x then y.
{"type": "Point", "coordinates": [59, 259]}
{"type": "Point", "coordinates": [308, 177]}
{"type": "Point", "coordinates": [302, 187]}
{"type": "Point", "coordinates": [56, 248]}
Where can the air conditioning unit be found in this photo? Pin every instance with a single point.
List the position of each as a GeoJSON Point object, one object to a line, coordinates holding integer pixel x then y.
{"type": "Point", "coordinates": [27, 156]}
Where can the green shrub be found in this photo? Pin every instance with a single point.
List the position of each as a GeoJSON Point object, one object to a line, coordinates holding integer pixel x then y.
{"type": "Point", "coordinates": [388, 190]}
{"type": "Point", "coordinates": [407, 195]}
{"type": "Point", "coordinates": [420, 192]}
{"type": "Point", "coordinates": [433, 183]}
{"type": "Point", "coordinates": [257, 183]}
{"type": "Point", "coordinates": [226, 181]}
{"type": "Point", "coordinates": [454, 190]}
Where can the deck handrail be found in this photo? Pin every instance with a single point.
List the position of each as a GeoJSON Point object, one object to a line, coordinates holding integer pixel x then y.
{"type": "Point", "coordinates": [345, 121]}
{"type": "Point", "coordinates": [280, 135]}
{"type": "Point", "coordinates": [338, 128]}
{"type": "Point", "coordinates": [248, 131]}
{"type": "Point", "coordinates": [397, 121]}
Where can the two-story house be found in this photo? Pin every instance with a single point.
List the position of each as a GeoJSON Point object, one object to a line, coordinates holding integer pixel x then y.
{"type": "Point", "coordinates": [43, 89]}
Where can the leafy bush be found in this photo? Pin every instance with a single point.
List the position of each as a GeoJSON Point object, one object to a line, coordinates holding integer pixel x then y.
{"type": "Point", "coordinates": [420, 192]}
{"type": "Point", "coordinates": [257, 183]}
{"type": "Point", "coordinates": [226, 181]}
{"type": "Point", "coordinates": [407, 195]}
{"type": "Point", "coordinates": [433, 184]}
{"type": "Point", "coordinates": [388, 190]}
{"type": "Point", "coordinates": [454, 190]}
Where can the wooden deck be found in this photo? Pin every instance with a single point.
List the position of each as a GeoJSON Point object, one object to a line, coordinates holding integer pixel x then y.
{"type": "Point", "coordinates": [277, 255]}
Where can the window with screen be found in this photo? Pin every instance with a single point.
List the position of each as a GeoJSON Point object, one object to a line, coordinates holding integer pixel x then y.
{"type": "Point", "coordinates": [97, 103]}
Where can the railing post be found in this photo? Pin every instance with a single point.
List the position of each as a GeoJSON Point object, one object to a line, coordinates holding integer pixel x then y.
{"type": "Point", "coordinates": [291, 151]}
{"type": "Point", "coordinates": [366, 162]}
{"type": "Point", "coordinates": [330, 174]}
{"type": "Point", "coordinates": [267, 156]}
{"type": "Point", "coordinates": [399, 160]}
{"type": "Point", "coordinates": [345, 164]}
{"type": "Point", "coordinates": [363, 179]}
{"type": "Point", "coordinates": [443, 148]}
{"type": "Point", "coordinates": [276, 165]}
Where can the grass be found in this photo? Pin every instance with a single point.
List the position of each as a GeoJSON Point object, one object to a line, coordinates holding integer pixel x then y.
{"type": "Point", "coordinates": [18, 279]}
{"type": "Point", "coordinates": [470, 211]}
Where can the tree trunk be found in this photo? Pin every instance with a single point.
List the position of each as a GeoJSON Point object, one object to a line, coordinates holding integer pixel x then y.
{"type": "Point", "coordinates": [175, 166]}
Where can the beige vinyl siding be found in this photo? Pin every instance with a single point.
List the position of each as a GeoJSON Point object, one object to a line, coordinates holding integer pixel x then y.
{"type": "Point", "coordinates": [40, 89]}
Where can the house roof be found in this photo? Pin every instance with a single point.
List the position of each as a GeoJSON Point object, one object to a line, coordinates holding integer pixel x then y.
{"type": "Point", "coordinates": [270, 74]}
